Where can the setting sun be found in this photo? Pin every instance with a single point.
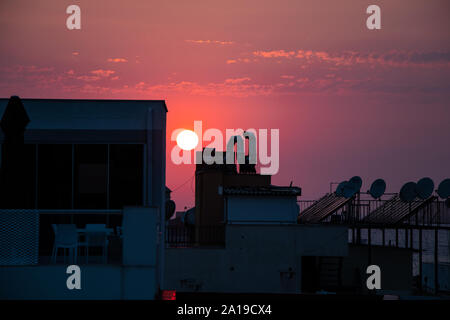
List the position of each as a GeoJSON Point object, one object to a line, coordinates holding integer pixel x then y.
{"type": "Point", "coordinates": [187, 140]}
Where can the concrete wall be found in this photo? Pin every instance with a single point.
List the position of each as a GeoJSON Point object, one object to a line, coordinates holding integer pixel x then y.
{"type": "Point", "coordinates": [140, 258]}
{"type": "Point", "coordinates": [49, 282]}
{"type": "Point", "coordinates": [247, 209]}
{"type": "Point", "coordinates": [256, 258]}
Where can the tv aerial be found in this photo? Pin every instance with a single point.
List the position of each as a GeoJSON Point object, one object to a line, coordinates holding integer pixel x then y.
{"type": "Point", "coordinates": [425, 188]}
{"type": "Point", "coordinates": [408, 192]}
{"type": "Point", "coordinates": [377, 188]}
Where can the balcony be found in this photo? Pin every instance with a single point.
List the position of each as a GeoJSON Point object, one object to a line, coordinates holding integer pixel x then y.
{"type": "Point", "coordinates": [27, 270]}
{"type": "Point", "coordinates": [28, 236]}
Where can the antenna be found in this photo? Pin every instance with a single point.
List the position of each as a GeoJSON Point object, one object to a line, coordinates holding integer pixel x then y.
{"type": "Point", "coordinates": [408, 192]}
{"type": "Point", "coordinates": [444, 189]}
{"type": "Point", "coordinates": [425, 188]}
{"type": "Point", "coordinates": [377, 188]}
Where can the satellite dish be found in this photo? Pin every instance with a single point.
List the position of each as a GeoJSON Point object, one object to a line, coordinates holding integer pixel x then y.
{"type": "Point", "coordinates": [408, 192]}
{"type": "Point", "coordinates": [189, 217]}
{"type": "Point", "coordinates": [444, 189]}
{"type": "Point", "coordinates": [170, 208]}
{"type": "Point", "coordinates": [349, 190]}
{"type": "Point", "coordinates": [356, 182]}
{"type": "Point", "coordinates": [340, 188]}
{"type": "Point", "coordinates": [377, 188]}
{"type": "Point", "coordinates": [447, 203]}
{"type": "Point", "coordinates": [425, 188]}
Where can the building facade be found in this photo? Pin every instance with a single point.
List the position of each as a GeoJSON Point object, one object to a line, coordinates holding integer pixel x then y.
{"type": "Point", "coordinates": [82, 162]}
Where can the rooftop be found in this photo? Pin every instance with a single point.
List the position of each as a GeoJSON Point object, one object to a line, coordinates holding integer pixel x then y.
{"type": "Point", "coordinates": [86, 114]}
{"type": "Point", "coordinates": [263, 191]}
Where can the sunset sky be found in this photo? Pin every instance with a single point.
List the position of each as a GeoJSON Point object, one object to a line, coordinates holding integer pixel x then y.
{"type": "Point", "coordinates": [347, 100]}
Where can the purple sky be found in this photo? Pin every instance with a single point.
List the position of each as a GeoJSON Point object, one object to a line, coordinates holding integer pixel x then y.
{"type": "Point", "coordinates": [347, 100]}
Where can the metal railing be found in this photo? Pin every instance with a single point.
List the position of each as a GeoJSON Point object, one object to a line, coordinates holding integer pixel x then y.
{"type": "Point", "coordinates": [191, 236]}
{"type": "Point", "coordinates": [19, 237]}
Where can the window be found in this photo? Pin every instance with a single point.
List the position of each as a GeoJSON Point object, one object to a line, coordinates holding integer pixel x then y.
{"type": "Point", "coordinates": [84, 176]}
{"type": "Point", "coordinates": [54, 176]}
{"type": "Point", "coordinates": [126, 175]}
{"type": "Point", "coordinates": [18, 176]}
{"type": "Point", "coordinates": [28, 176]}
{"type": "Point", "coordinates": [90, 176]}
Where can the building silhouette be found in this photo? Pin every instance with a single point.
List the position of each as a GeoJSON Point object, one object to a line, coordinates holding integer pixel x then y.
{"type": "Point", "coordinates": [80, 163]}
{"type": "Point", "coordinates": [83, 182]}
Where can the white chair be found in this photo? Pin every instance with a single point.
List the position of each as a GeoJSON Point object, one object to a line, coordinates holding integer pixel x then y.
{"type": "Point", "coordinates": [66, 237]}
{"type": "Point", "coordinates": [119, 232]}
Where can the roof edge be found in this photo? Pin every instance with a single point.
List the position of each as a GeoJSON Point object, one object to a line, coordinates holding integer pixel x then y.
{"type": "Point", "coordinates": [91, 100]}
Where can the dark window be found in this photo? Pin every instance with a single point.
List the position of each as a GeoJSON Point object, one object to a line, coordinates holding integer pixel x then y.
{"type": "Point", "coordinates": [77, 176]}
{"type": "Point", "coordinates": [54, 176]}
{"type": "Point", "coordinates": [18, 176]}
{"type": "Point", "coordinates": [310, 273]}
{"type": "Point", "coordinates": [29, 176]}
{"type": "Point", "coordinates": [90, 185]}
{"type": "Point", "coordinates": [126, 175]}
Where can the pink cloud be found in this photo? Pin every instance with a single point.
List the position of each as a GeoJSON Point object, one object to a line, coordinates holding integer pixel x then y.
{"type": "Point", "coordinates": [88, 78]}
{"type": "Point", "coordinates": [242, 60]}
{"type": "Point", "coordinates": [274, 54]}
{"type": "Point", "coordinates": [395, 58]}
{"type": "Point", "coordinates": [322, 75]}
{"type": "Point", "coordinates": [117, 60]}
{"type": "Point", "coordinates": [218, 42]}
{"type": "Point", "coordinates": [237, 87]}
{"type": "Point", "coordinates": [103, 73]}
{"type": "Point", "coordinates": [28, 69]}
{"type": "Point", "coordinates": [237, 80]}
